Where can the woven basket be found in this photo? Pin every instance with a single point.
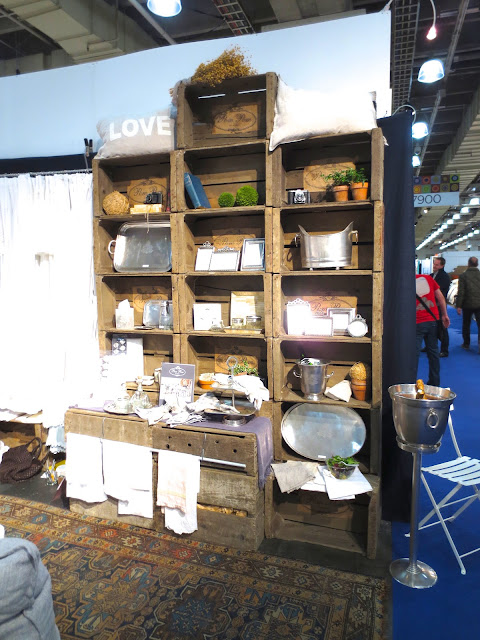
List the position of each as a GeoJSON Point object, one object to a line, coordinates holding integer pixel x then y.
{"type": "Point", "coordinates": [115, 204]}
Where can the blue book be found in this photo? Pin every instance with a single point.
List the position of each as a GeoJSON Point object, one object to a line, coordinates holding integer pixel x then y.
{"type": "Point", "coordinates": [196, 191]}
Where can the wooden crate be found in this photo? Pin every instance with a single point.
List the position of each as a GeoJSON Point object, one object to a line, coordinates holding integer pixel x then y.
{"type": "Point", "coordinates": [217, 287]}
{"type": "Point", "coordinates": [308, 516]}
{"type": "Point", "coordinates": [228, 226]}
{"type": "Point", "coordinates": [318, 220]}
{"type": "Point", "coordinates": [201, 350]}
{"type": "Point", "coordinates": [366, 286]}
{"type": "Point", "coordinates": [341, 351]}
{"type": "Point", "coordinates": [158, 347]}
{"type": "Point", "coordinates": [369, 455]}
{"type": "Point", "coordinates": [287, 162]}
{"type": "Point", "coordinates": [116, 174]}
{"type": "Point", "coordinates": [220, 169]}
{"type": "Point", "coordinates": [137, 289]}
{"type": "Point", "coordinates": [105, 229]}
{"type": "Point", "coordinates": [237, 109]}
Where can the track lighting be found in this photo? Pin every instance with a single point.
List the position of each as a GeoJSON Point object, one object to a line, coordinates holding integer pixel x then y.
{"type": "Point", "coordinates": [431, 71]}
{"type": "Point", "coordinates": [165, 8]}
{"type": "Point", "coordinates": [464, 210]}
{"type": "Point", "coordinates": [432, 32]}
{"type": "Point", "coordinates": [474, 200]}
{"type": "Point", "coordinates": [419, 130]}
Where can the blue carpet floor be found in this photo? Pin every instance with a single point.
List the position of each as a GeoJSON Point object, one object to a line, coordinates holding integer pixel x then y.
{"type": "Point", "coordinates": [448, 609]}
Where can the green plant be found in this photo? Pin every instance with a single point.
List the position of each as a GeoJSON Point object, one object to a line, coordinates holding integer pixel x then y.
{"type": "Point", "coordinates": [338, 178]}
{"type": "Point", "coordinates": [338, 460]}
{"type": "Point", "coordinates": [226, 199]}
{"type": "Point", "coordinates": [358, 175]}
{"type": "Point", "coordinates": [244, 367]}
{"type": "Point", "coordinates": [247, 196]}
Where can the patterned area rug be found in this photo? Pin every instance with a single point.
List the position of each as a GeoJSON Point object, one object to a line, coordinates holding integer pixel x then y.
{"type": "Point", "coordinates": [112, 581]}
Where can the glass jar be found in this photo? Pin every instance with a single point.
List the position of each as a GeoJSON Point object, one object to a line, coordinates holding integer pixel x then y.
{"type": "Point", "coordinates": [237, 323]}
{"type": "Point", "coordinates": [253, 323]}
{"type": "Point", "coordinates": [140, 399]}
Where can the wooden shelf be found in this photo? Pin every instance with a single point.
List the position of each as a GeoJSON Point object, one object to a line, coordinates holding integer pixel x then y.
{"type": "Point", "coordinates": [364, 205]}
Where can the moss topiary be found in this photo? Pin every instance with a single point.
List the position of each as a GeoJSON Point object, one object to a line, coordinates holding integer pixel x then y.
{"type": "Point", "coordinates": [226, 199]}
{"type": "Point", "coordinates": [247, 196]}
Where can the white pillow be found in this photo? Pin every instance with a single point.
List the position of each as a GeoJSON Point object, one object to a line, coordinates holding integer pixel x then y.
{"type": "Point", "coordinates": [153, 133]}
{"type": "Point", "coordinates": [301, 114]}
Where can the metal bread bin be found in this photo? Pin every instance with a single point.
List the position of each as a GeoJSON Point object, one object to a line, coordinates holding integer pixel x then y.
{"type": "Point", "coordinates": [142, 247]}
{"type": "Point", "coordinates": [327, 250]}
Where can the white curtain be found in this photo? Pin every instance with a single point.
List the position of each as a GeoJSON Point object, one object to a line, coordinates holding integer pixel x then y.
{"type": "Point", "coordinates": [48, 313]}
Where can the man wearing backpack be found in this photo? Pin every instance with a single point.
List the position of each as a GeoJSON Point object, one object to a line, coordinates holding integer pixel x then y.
{"type": "Point", "coordinates": [468, 299]}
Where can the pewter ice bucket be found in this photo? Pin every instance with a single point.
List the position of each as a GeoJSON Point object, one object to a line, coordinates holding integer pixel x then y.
{"type": "Point", "coordinates": [313, 378]}
{"type": "Point", "coordinates": [420, 422]}
{"type": "Point", "coordinates": [327, 250]}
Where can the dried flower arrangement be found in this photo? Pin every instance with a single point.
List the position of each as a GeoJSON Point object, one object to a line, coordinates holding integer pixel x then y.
{"type": "Point", "coordinates": [232, 63]}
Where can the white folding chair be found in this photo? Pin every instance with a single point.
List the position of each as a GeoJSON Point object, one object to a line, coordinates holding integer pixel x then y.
{"type": "Point", "coordinates": [464, 472]}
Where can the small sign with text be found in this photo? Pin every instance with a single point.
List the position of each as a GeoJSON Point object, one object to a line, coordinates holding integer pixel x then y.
{"type": "Point", "coordinates": [436, 191]}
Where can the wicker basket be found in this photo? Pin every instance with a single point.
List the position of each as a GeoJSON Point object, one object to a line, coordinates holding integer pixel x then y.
{"type": "Point", "coordinates": [116, 204]}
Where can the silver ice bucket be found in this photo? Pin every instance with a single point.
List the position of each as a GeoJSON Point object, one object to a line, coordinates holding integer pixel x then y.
{"type": "Point", "coordinates": [327, 250]}
{"type": "Point", "coordinates": [420, 422]}
{"type": "Point", "coordinates": [313, 377]}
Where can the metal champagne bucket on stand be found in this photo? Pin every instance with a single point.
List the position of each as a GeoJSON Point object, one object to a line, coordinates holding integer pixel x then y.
{"type": "Point", "coordinates": [420, 425]}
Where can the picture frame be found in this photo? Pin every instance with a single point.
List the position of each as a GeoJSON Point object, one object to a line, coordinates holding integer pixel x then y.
{"type": "Point", "coordinates": [253, 254]}
{"type": "Point", "coordinates": [226, 259]}
{"type": "Point", "coordinates": [319, 326]}
{"type": "Point", "coordinates": [298, 317]}
{"type": "Point", "coordinates": [204, 256]}
{"type": "Point", "coordinates": [341, 319]}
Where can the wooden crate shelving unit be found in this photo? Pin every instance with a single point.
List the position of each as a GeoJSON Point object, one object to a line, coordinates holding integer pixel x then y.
{"type": "Point", "coordinates": [225, 159]}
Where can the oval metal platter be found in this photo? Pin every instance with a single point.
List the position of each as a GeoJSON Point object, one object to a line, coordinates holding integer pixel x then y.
{"type": "Point", "coordinates": [320, 431]}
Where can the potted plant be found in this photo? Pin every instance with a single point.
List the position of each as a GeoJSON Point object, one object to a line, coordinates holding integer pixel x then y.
{"type": "Point", "coordinates": [359, 373]}
{"type": "Point", "coordinates": [358, 184]}
{"type": "Point", "coordinates": [339, 182]}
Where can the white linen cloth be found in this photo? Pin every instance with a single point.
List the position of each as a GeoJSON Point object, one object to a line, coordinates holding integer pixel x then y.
{"type": "Point", "coordinates": [56, 439]}
{"type": "Point", "coordinates": [348, 488]}
{"type": "Point", "coordinates": [177, 490]}
{"type": "Point", "coordinates": [318, 484]}
{"type": "Point", "coordinates": [127, 475]}
{"type": "Point", "coordinates": [340, 391]}
{"type": "Point", "coordinates": [251, 386]}
{"type": "Point", "coordinates": [84, 468]}
{"type": "Point", "coordinates": [292, 475]}
{"type": "Point", "coordinates": [3, 449]}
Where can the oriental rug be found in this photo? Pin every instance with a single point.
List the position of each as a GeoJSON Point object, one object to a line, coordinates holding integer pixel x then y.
{"type": "Point", "coordinates": [113, 581]}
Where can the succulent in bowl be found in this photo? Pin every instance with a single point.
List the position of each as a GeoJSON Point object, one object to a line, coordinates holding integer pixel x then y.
{"type": "Point", "coordinates": [341, 468]}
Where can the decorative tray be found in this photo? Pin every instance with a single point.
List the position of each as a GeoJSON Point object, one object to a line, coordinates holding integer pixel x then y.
{"type": "Point", "coordinates": [110, 408]}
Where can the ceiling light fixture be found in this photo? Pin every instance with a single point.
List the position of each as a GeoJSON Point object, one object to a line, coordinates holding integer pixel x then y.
{"type": "Point", "coordinates": [474, 200]}
{"type": "Point", "coordinates": [464, 210]}
{"type": "Point", "coordinates": [165, 8]}
{"type": "Point", "coordinates": [456, 216]}
{"type": "Point", "coordinates": [415, 161]}
{"type": "Point", "coordinates": [432, 32]}
{"type": "Point", "coordinates": [419, 130]}
{"type": "Point", "coordinates": [431, 71]}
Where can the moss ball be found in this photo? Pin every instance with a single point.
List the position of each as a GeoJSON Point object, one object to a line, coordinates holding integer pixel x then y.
{"type": "Point", "coordinates": [247, 196]}
{"type": "Point", "coordinates": [226, 199]}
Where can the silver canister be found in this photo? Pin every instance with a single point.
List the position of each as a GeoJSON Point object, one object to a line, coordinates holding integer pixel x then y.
{"type": "Point", "coordinates": [313, 377]}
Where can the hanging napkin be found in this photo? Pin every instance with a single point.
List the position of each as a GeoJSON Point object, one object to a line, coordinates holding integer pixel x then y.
{"type": "Point", "coordinates": [291, 475]}
{"type": "Point", "coordinates": [177, 490]}
{"type": "Point", "coordinates": [84, 468]}
{"type": "Point", "coordinates": [340, 391]}
{"type": "Point", "coordinates": [346, 489]}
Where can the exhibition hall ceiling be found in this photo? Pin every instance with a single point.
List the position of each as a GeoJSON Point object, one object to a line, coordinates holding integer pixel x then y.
{"type": "Point", "coordinates": [44, 34]}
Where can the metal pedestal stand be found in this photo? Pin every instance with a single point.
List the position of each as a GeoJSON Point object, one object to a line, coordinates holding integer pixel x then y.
{"type": "Point", "coordinates": [410, 571]}
{"type": "Point", "coordinates": [234, 420]}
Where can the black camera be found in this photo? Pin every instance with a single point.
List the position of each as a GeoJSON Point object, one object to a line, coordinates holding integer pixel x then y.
{"type": "Point", "coordinates": [298, 196]}
{"type": "Point", "coordinates": [154, 198]}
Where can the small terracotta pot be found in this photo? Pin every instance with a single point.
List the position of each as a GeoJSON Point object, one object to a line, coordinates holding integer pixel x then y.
{"type": "Point", "coordinates": [340, 193]}
{"type": "Point", "coordinates": [359, 190]}
{"type": "Point", "coordinates": [359, 389]}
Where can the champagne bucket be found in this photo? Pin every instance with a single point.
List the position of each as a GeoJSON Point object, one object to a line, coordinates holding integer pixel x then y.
{"type": "Point", "coordinates": [327, 250]}
{"type": "Point", "coordinates": [420, 422]}
{"type": "Point", "coordinates": [313, 377]}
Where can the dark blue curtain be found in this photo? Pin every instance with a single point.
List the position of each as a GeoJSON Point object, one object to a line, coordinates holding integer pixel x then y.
{"type": "Point", "coordinates": [399, 306]}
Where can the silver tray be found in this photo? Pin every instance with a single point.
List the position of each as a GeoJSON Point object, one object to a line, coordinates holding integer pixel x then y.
{"type": "Point", "coordinates": [110, 408]}
{"type": "Point", "coordinates": [142, 247]}
{"type": "Point", "coordinates": [320, 431]}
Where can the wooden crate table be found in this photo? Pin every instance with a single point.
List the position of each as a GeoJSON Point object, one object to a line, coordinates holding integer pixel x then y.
{"type": "Point", "coordinates": [231, 501]}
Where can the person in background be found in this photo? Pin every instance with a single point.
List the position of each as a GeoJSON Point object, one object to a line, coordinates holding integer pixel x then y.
{"type": "Point", "coordinates": [468, 300]}
{"type": "Point", "coordinates": [431, 306]}
{"type": "Point", "coordinates": [443, 280]}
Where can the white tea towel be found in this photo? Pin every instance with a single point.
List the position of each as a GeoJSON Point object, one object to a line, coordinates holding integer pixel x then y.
{"type": "Point", "coordinates": [3, 449]}
{"type": "Point", "coordinates": [84, 468]}
{"type": "Point", "coordinates": [291, 475]}
{"type": "Point", "coordinates": [251, 386]}
{"type": "Point", "coordinates": [348, 488]}
{"type": "Point", "coordinates": [317, 484]}
{"type": "Point", "coordinates": [127, 473]}
{"type": "Point", "coordinates": [340, 391]}
{"type": "Point", "coordinates": [177, 489]}
{"type": "Point", "coordinates": [56, 439]}
{"type": "Point", "coordinates": [154, 414]}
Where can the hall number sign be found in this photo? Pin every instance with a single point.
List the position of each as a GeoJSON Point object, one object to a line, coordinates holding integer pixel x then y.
{"type": "Point", "coordinates": [436, 191]}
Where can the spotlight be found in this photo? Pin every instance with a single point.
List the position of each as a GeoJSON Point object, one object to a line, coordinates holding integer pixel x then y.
{"type": "Point", "coordinates": [432, 32]}
{"type": "Point", "coordinates": [415, 161]}
{"type": "Point", "coordinates": [456, 216]}
{"type": "Point", "coordinates": [165, 8]}
{"type": "Point", "coordinates": [450, 221]}
{"type": "Point", "coordinates": [464, 210]}
{"type": "Point", "coordinates": [419, 130]}
{"type": "Point", "coordinates": [474, 200]}
{"type": "Point", "coordinates": [431, 71]}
